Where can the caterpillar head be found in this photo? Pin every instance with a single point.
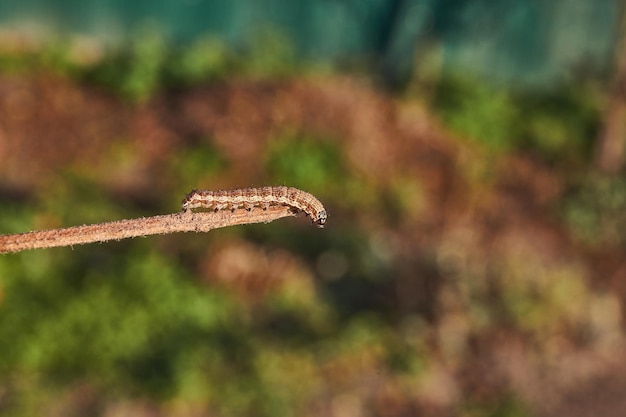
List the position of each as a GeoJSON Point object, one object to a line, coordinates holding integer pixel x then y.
{"type": "Point", "coordinates": [321, 218]}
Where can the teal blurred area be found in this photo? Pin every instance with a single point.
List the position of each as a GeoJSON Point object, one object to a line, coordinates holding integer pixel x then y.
{"type": "Point", "coordinates": [512, 41]}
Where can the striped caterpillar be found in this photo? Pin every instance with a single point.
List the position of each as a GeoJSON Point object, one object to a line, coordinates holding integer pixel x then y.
{"type": "Point", "coordinates": [257, 197]}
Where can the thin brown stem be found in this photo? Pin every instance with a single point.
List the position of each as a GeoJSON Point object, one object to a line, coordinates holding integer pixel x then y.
{"type": "Point", "coordinates": [122, 229]}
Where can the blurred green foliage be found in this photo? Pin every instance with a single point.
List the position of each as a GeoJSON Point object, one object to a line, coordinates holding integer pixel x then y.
{"type": "Point", "coordinates": [307, 161]}
{"type": "Point", "coordinates": [523, 288]}
{"type": "Point", "coordinates": [196, 164]}
{"type": "Point", "coordinates": [54, 55]}
{"type": "Point", "coordinates": [484, 113]}
{"type": "Point", "coordinates": [596, 211]}
{"type": "Point", "coordinates": [558, 124]}
{"type": "Point", "coordinates": [137, 70]}
{"type": "Point", "coordinates": [316, 163]}
{"type": "Point", "coordinates": [508, 406]}
{"type": "Point", "coordinates": [150, 63]}
{"type": "Point", "coordinates": [124, 316]}
{"type": "Point", "coordinates": [269, 53]}
{"type": "Point", "coordinates": [93, 204]}
{"type": "Point", "coordinates": [130, 319]}
{"type": "Point", "coordinates": [538, 297]}
{"type": "Point", "coordinates": [204, 60]}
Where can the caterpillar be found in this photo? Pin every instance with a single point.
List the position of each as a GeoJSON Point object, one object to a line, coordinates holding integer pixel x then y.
{"type": "Point", "coordinates": [257, 197]}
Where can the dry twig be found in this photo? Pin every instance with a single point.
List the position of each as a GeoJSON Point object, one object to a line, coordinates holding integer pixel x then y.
{"type": "Point", "coordinates": [169, 223]}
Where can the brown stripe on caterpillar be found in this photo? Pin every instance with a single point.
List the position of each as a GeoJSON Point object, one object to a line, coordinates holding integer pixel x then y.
{"type": "Point", "coordinates": [257, 197]}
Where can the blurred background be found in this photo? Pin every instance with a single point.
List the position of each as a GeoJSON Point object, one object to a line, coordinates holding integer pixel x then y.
{"type": "Point", "coordinates": [470, 155]}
